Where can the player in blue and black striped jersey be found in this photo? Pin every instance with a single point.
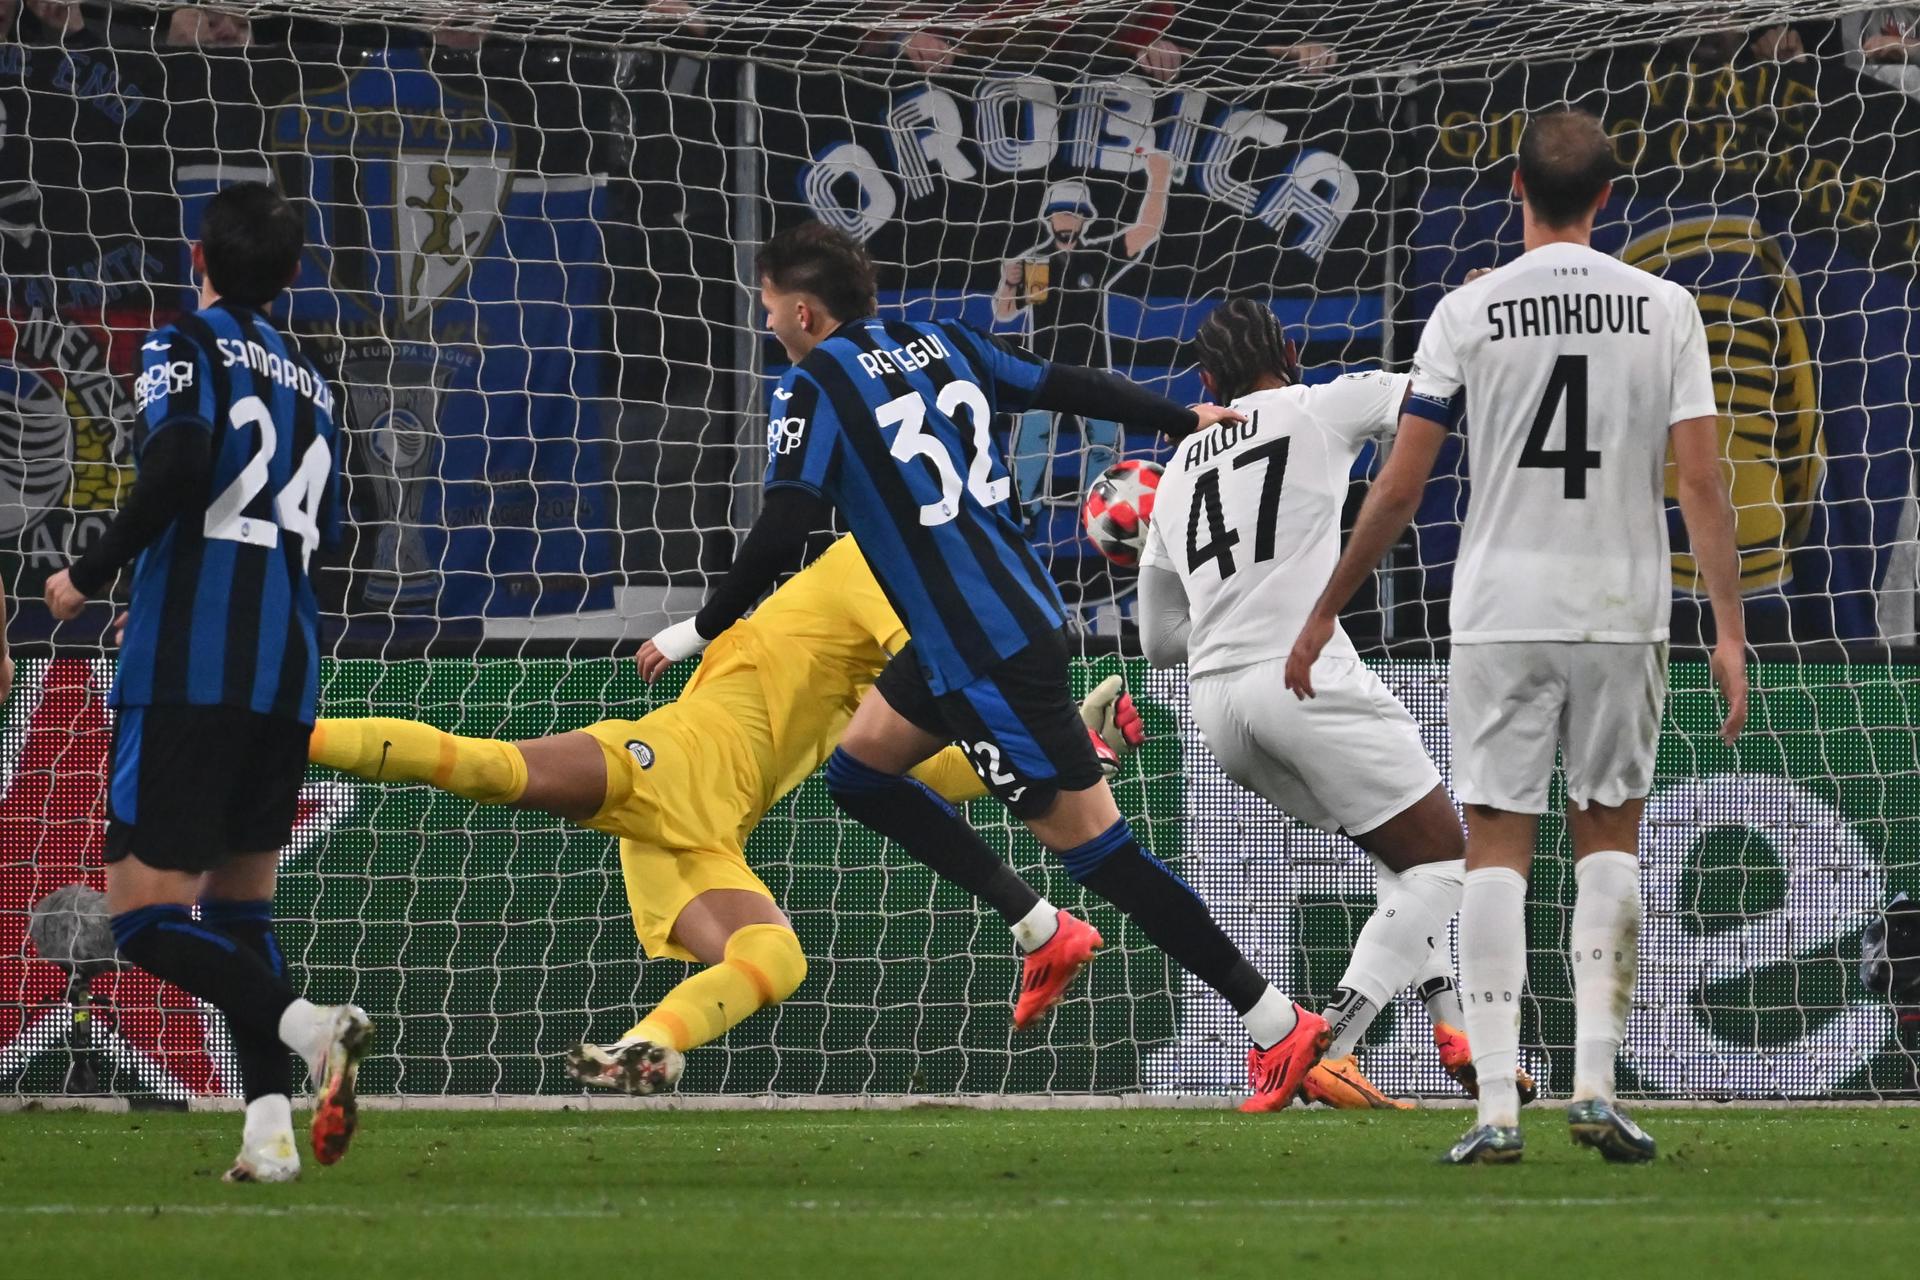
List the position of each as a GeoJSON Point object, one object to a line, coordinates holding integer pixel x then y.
{"type": "Point", "coordinates": [891, 424]}
{"type": "Point", "coordinates": [236, 486]}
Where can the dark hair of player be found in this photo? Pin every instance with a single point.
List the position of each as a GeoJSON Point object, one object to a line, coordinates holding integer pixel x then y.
{"type": "Point", "coordinates": [831, 265]}
{"type": "Point", "coordinates": [1237, 343]}
{"type": "Point", "coordinates": [1566, 161]}
{"type": "Point", "coordinates": [252, 239]}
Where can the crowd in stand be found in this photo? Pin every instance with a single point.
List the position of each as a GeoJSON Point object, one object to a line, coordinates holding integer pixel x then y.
{"type": "Point", "coordinates": [1157, 39]}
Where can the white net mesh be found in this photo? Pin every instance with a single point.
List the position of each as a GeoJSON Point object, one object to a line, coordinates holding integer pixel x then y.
{"type": "Point", "coordinates": [531, 229]}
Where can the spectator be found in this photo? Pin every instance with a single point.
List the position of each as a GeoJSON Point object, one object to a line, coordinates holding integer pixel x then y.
{"type": "Point", "coordinates": [1885, 44]}
{"type": "Point", "coordinates": [1779, 43]}
{"type": "Point", "coordinates": [199, 27]}
{"type": "Point", "coordinates": [1255, 43]}
{"type": "Point", "coordinates": [679, 13]}
{"type": "Point", "coordinates": [1129, 37]}
{"type": "Point", "coordinates": [462, 35]}
{"type": "Point", "coordinates": [57, 20]}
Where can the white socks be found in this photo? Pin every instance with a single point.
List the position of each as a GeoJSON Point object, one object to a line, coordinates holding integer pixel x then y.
{"type": "Point", "coordinates": [1493, 968]}
{"type": "Point", "coordinates": [1271, 1020]}
{"type": "Point", "coordinates": [1035, 929]}
{"type": "Point", "coordinates": [267, 1118]}
{"type": "Point", "coordinates": [1437, 988]}
{"type": "Point", "coordinates": [305, 1028]}
{"type": "Point", "coordinates": [1407, 928]}
{"type": "Point", "coordinates": [1605, 945]}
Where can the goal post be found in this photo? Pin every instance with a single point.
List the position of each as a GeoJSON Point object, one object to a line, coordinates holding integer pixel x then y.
{"type": "Point", "coordinates": [531, 230]}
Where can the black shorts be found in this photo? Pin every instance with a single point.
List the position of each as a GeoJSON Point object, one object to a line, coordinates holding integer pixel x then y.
{"type": "Point", "coordinates": [190, 787]}
{"type": "Point", "coordinates": [1017, 723]}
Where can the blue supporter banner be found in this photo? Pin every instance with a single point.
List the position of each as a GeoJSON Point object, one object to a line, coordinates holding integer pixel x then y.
{"type": "Point", "coordinates": [468, 289]}
{"type": "Point", "coordinates": [1097, 222]}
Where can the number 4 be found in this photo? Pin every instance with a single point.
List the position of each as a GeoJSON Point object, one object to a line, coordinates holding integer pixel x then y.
{"type": "Point", "coordinates": [1569, 381]}
{"type": "Point", "coordinates": [298, 505]}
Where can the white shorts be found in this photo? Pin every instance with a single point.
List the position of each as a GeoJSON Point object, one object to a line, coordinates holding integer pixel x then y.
{"type": "Point", "coordinates": [1346, 759]}
{"type": "Point", "coordinates": [1510, 704]}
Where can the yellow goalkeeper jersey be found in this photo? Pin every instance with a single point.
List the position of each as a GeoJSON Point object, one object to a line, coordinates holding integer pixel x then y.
{"type": "Point", "coordinates": [773, 694]}
{"type": "Point", "coordinates": [766, 708]}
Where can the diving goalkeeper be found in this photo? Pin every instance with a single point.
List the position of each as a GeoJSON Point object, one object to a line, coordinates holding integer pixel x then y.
{"type": "Point", "coordinates": [684, 786]}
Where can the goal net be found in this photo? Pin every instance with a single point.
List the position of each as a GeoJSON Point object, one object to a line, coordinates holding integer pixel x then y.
{"type": "Point", "coordinates": [531, 230]}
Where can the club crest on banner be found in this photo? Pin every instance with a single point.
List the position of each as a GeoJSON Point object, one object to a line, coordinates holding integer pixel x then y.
{"type": "Point", "coordinates": [64, 447]}
{"type": "Point", "coordinates": [409, 180]}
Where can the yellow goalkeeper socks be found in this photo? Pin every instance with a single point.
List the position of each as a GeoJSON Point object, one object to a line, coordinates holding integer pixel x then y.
{"type": "Point", "coordinates": [385, 750]}
{"type": "Point", "coordinates": [764, 966]}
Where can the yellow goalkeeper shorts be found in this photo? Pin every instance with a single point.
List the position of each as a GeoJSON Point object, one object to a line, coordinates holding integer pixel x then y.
{"type": "Point", "coordinates": [684, 822]}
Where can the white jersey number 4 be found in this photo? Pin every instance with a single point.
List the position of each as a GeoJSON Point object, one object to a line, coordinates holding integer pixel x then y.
{"type": "Point", "coordinates": [1566, 385]}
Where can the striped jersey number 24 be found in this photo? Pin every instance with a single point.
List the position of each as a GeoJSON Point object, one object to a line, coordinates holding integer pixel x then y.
{"type": "Point", "coordinates": [913, 440]}
{"type": "Point", "coordinates": [296, 508]}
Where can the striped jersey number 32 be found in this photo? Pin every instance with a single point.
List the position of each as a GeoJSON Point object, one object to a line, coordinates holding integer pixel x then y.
{"type": "Point", "coordinates": [913, 440]}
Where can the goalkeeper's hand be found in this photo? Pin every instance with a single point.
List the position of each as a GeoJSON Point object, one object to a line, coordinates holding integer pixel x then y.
{"type": "Point", "coordinates": [681, 640]}
{"type": "Point", "coordinates": [1113, 723]}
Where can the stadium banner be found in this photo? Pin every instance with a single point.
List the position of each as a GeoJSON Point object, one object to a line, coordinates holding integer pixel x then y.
{"type": "Point", "coordinates": [1783, 195]}
{"type": "Point", "coordinates": [81, 249]}
{"type": "Point", "coordinates": [1098, 222]}
{"type": "Point", "coordinates": [455, 287]}
{"type": "Point", "coordinates": [486, 942]}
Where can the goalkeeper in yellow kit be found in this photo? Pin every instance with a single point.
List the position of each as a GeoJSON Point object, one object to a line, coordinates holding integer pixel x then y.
{"type": "Point", "coordinates": [684, 786]}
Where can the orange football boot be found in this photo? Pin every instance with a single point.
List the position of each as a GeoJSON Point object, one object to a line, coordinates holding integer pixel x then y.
{"type": "Point", "coordinates": [336, 1111]}
{"type": "Point", "coordinates": [1051, 968]}
{"type": "Point", "coordinates": [1275, 1075]}
{"type": "Point", "coordinates": [1456, 1058]}
{"type": "Point", "coordinates": [1339, 1083]}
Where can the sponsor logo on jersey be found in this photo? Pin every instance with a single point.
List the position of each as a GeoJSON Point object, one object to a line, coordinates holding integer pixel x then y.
{"type": "Point", "coordinates": [162, 380]}
{"type": "Point", "coordinates": [784, 435]}
{"type": "Point", "coordinates": [641, 752]}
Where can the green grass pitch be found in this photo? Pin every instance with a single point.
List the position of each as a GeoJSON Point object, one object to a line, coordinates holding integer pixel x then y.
{"type": "Point", "coordinates": [945, 1192]}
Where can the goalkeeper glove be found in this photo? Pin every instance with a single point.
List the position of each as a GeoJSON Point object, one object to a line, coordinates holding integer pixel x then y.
{"type": "Point", "coordinates": [1113, 723]}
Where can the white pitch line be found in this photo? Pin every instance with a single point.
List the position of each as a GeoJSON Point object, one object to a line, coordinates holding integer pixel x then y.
{"type": "Point", "coordinates": [298, 1210]}
{"type": "Point", "coordinates": [1103, 1208]}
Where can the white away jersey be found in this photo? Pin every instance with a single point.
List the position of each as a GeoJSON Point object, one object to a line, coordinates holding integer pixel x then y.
{"type": "Point", "coordinates": [1575, 365]}
{"type": "Point", "coordinates": [1249, 515]}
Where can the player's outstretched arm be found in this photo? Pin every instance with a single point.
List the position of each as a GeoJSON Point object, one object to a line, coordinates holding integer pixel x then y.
{"type": "Point", "coordinates": [788, 518]}
{"type": "Point", "coordinates": [1095, 393]}
{"type": "Point", "coordinates": [1384, 516]}
{"type": "Point", "coordinates": [1707, 510]}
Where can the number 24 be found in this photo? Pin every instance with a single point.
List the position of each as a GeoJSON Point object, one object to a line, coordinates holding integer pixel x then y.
{"type": "Point", "coordinates": [296, 508]}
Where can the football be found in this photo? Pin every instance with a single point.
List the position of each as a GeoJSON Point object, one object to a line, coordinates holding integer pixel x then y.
{"type": "Point", "coordinates": [1118, 508]}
